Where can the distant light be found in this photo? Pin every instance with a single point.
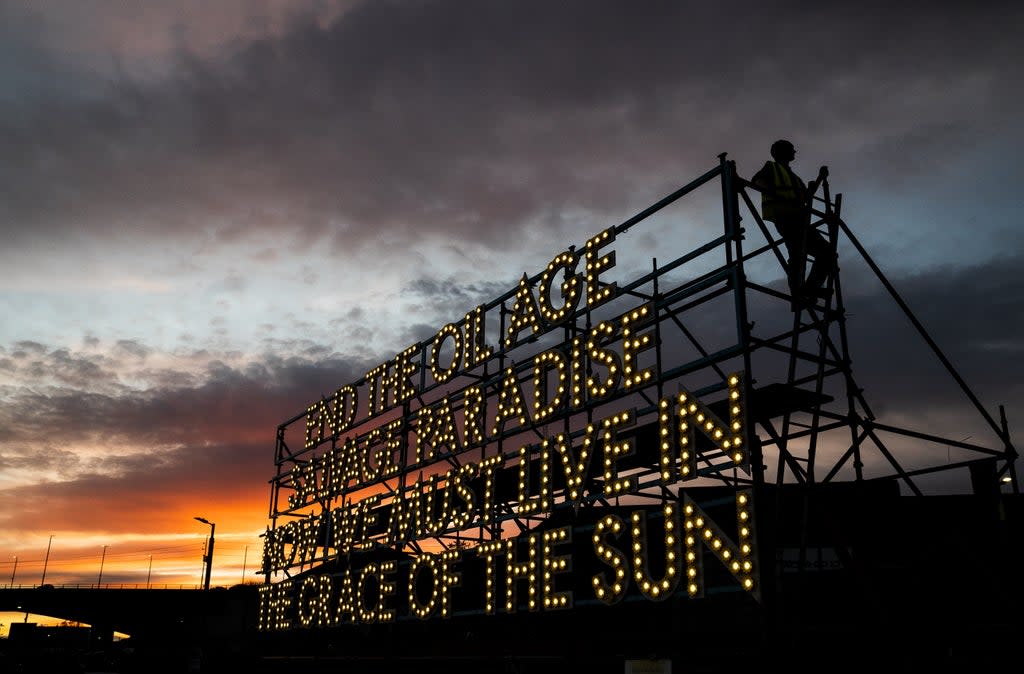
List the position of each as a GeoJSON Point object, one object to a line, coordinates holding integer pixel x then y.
{"type": "Point", "coordinates": [1007, 479]}
{"type": "Point", "coordinates": [202, 519]}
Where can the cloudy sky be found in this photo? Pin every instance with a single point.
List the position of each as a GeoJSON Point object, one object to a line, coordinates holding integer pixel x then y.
{"type": "Point", "coordinates": [213, 212]}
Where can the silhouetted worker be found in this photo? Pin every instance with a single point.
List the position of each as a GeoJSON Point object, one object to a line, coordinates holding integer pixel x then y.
{"type": "Point", "coordinates": [786, 201]}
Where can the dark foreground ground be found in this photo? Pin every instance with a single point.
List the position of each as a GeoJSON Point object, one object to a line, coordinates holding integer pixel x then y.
{"type": "Point", "coordinates": [884, 583]}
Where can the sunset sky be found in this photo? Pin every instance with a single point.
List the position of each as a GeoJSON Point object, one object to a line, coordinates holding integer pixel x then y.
{"type": "Point", "coordinates": [212, 213]}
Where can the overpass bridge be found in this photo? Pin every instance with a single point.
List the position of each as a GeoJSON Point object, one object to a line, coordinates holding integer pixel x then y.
{"type": "Point", "coordinates": [148, 615]}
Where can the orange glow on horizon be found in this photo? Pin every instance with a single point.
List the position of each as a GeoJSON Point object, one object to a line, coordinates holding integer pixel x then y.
{"type": "Point", "coordinates": [169, 553]}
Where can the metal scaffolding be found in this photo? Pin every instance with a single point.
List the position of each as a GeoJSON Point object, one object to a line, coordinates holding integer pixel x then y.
{"type": "Point", "coordinates": [807, 420]}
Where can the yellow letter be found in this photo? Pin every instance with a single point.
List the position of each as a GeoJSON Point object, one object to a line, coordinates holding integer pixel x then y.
{"type": "Point", "coordinates": [597, 292]}
{"type": "Point", "coordinates": [524, 314]}
{"type": "Point", "coordinates": [570, 288]}
{"type": "Point", "coordinates": [613, 592]}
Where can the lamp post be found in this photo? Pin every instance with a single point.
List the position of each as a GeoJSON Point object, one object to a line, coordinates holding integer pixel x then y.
{"type": "Point", "coordinates": [149, 575]}
{"type": "Point", "coordinates": [99, 581]}
{"type": "Point", "coordinates": [15, 570]}
{"type": "Point", "coordinates": [47, 560]}
{"type": "Point", "coordinates": [208, 557]}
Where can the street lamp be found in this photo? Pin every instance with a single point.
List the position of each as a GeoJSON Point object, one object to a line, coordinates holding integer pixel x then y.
{"type": "Point", "coordinates": [47, 560]}
{"type": "Point", "coordinates": [99, 581]}
{"type": "Point", "coordinates": [208, 557]}
{"type": "Point", "coordinates": [15, 570]}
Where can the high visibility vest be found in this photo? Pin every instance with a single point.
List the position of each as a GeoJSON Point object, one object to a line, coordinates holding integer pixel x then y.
{"type": "Point", "coordinates": [785, 200]}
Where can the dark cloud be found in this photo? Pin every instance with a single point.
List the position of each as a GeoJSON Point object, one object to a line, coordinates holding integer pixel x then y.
{"type": "Point", "coordinates": [36, 365]}
{"type": "Point", "coordinates": [75, 371]}
{"type": "Point", "coordinates": [975, 315]}
{"type": "Point", "coordinates": [404, 119]}
{"type": "Point", "coordinates": [223, 404]}
{"type": "Point", "coordinates": [41, 459]}
{"type": "Point", "coordinates": [449, 298]}
{"type": "Point", "coordinates": [143, 492]}
{"type": "Point", "coordinates": [134, 348]}
{"type": "Point", "coordinates": [23, 348]}
{"type": "Point", "coordinates": [132, 458]}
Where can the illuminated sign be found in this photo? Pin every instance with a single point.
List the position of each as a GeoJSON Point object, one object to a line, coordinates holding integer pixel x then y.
{"type": "Point", "coordinates": [529, 457]}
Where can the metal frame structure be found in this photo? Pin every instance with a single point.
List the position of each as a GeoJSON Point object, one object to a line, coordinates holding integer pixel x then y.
{"type": "Point", "coordinates": [807, 420]}
{"type": "Point", "coordinates": [832, 359]}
